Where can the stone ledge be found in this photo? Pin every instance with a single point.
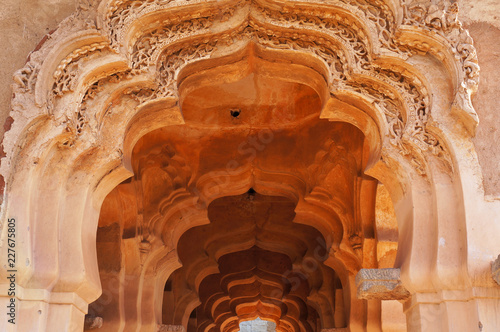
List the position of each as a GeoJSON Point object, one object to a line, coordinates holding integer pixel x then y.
{"type": "Point", "coordinates": [495, 270]}
{"type": "Point", "coordinates": [380, 284]}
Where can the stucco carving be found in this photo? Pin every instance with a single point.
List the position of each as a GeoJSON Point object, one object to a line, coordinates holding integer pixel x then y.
{"type": "Point", "coordinates": [348, 45]}
{"type": "Point", "coordinates": [25, 78]}
{"type": "Point", "coordinates": [441, 17]}
{"type": "Point", "coordinates": [347, 48]}
{"type": "Point", "coordinates": [143, 51]}
{"type": "Point", "coordinates": [68, 68]}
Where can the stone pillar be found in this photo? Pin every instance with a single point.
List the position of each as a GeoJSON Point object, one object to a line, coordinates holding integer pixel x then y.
{"type": "Point", "coordinates": [339, 314]}
{"type": "Point", "coordinates": [37, 315]}
{"type": "Point", "coordinates": [56, 270]}
{"type": "Point", "coordinates": [446, 311]}
{"type": "Point", "coordinates": [380, 284]}
{"type": "Point", "coordinates": [393, 317]}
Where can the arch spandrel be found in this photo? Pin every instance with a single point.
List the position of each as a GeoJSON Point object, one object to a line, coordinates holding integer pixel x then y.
{"type": "Point", "coordinates": [100, 83]}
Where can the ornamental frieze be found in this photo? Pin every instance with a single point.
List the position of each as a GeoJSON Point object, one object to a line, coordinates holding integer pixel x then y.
{"type": "Point", "coordinates": [349, 37]}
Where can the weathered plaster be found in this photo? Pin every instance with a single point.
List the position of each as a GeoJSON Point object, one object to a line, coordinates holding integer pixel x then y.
{"type": "Point", "coordinates": [486, 103]}
{"type": "Point", "coordinates": [23, 25]}
{"type": "Point", "coordinates": [486, 11]}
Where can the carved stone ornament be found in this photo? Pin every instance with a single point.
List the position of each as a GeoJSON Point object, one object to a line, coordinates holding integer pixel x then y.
{"type": "Point", "coordinates": [363, 47]}
{"type": "Point", "coordinates": [381, 284]}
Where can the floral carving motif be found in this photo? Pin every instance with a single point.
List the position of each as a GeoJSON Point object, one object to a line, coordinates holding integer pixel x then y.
{"type": "Point", "coordinates": [76, 123]}
{"type": "Point", "coordinates": [169, 65]}
{"type": "Point", "coordinates": [141, 95]}
{"type": "Point", "coordinates": [382, 18]}
{"type": "Point", "coordinates": [411, 89]}
{"type": "Point", "coordinates": [120, 12]}
{"type": "Point", "coordinates": [68, 68]}
{"type": "Point", "coordinates": [324, 49]}
{"type": "Point", "coordinates": [441, 16]}
{"type": "Point", "coordinates": [343, 42]}
{"type": "Point", "coordinates": [25, 78]}
{"type": "Point", "coordinates": [349, 33]}
{"type": "Point", "coordinates": [142, 55]}
{"type": "Point", "coordinates": [411, 129]}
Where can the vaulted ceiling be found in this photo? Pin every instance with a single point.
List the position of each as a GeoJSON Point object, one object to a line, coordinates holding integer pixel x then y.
{"type": "Point", "coordinates": [261, 201]}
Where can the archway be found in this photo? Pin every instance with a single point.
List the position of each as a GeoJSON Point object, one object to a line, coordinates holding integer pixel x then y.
{"type": "Point", "coordinates": [274, 182]}
{"type": "Point", "coordinates": [112, 73]}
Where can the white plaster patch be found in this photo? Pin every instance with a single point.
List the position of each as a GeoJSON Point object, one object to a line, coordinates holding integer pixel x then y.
{"type": "Point", "coordinates": [442, 242]}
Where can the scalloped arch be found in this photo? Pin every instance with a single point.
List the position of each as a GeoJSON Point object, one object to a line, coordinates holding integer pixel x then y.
{"type": "Point", "coordinates": [361, 53]}
{"type": "Point", "coordinates": [110, 74]}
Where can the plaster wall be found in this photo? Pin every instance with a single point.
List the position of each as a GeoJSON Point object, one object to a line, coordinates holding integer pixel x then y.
{"type": "Point", "coordinates": [24, 24]}
{"type": "Point", "coordinates": [482, 19]}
